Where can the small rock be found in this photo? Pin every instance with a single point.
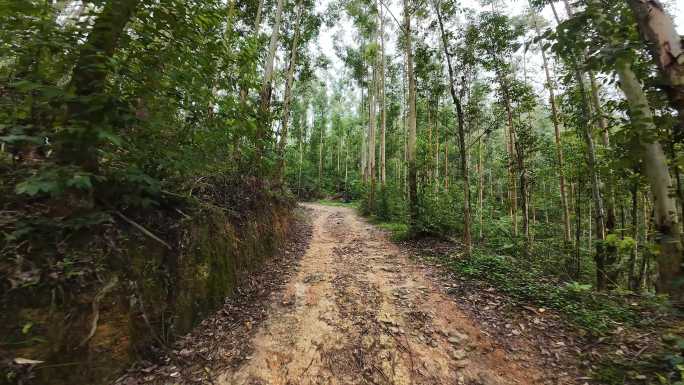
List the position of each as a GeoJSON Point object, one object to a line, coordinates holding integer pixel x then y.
{"type": "Point", "coordinates": [459, 354]}
{"type": "Point", "coordinates": [462, 363]}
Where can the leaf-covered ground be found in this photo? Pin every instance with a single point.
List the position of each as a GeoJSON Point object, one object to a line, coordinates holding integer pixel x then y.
{"type": "Point", "coordinates": [355, 309]}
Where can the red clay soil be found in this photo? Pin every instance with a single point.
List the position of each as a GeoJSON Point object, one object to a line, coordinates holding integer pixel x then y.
{"type": "Point", "coordinates": [357, 310]}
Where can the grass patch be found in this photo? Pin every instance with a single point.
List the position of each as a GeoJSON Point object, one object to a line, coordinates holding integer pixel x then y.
{"type": "Point", "coordinates": [596, 313]}
{"type": "Point", "coordinates": [399, 231]}
{"type": "Point", "coordinates": [334, 203]}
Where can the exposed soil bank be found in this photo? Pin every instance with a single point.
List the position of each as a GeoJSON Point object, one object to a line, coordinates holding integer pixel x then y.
{"type": "Point", "coordinates": [145, 294]}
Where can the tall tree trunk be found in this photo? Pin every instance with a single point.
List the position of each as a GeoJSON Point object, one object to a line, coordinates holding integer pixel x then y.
{"type": "Point", "coordinates": [320, 159]}
{"type": "Point", "coordinates": [264, 124]}
{"type": "Point", "coordinates": [512, 193]}
{"type": "Point", "coordinates": [632, 278]}
{"type": "Point", "coordinates": [671, 274]}
{"type": "Point", "coordinates": [381, 100]}
{"type": "Point", "coordinates": [559, 145]}
{"type": "Point", "coordinates": [446, 164]}
{"type": "Point", "coordinates": [576, 268]}
{"type": "Point", "coordinates": [302, 134]}
{"type": "Point", "coordinates": [665, 43]}
{"type": "Point", "coordinates": [437, 147]}
{"type": "Point", "coordinates": [610, 223]}
{"type": "Point", "coordinates": [88, 79]}
{"type": "Point", "coordinates": [524, 195]}
{"type": "Point", "coordinates": [346, 170]}
{"type": "Point", "coordinates": [244, 90]}
{"type": "Point", "coordinates": [430, 157]}
{"type": "Point", "coordinates": [480, 189]}
{"type": "Point", "coordinates": [587, 136]}
{"type": "Point", "coordinates": [372, 122]}
{"type": "Point", "coordinates": [657, 172]}
{"type": "Point", "coordinates": [288, 92]}
{"type": "Point", "coordinates": [364, 151]}
{"type": "Point", "coordinates": [467, 242]}
{"type": "Point", "coordinates": [257, 19]}
{"type": "Point", "coordinates": [411, 123]}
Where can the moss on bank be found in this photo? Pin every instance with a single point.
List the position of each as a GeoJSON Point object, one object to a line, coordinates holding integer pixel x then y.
{"type": "Point", "coordinates": [123, 295]}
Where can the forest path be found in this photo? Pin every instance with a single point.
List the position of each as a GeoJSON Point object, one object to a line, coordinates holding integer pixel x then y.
{"type": "Point", "coordinates": [358, 311]}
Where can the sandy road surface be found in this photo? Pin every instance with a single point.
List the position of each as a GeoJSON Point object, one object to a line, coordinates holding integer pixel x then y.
{"type": "Point", "coordinates": [358, 311]}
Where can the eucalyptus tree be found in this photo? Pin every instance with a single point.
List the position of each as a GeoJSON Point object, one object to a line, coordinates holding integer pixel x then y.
{"type": "Point", "coordinates": [381, 94]}
{"type": "Point", "coordinates": [656, 167]}
{"type": "Point", "coordinates": [306, 25]}
{"type": "Point", "coordinates": [264, 125]}
{"type": "Point", "coordinates": [366, 17]}
{"type": "Point", "coordinates": [571, 47]}
{"type": "Point", "coordinates": [411, 116]}
{"type": "Point", "coordinates": [498, 41]}
{"type": "Point", "coordinates": [88, 80]}
{"type": "Point", "coordinates": [447, 10]}
{"type": "Point", "coordinates": [556, 119]}
{"type": "Point", "coordinates": [665, 44]}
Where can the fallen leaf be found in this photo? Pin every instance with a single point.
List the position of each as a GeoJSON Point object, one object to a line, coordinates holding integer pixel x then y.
{"type": "Point", "coordinates": [26, 361]}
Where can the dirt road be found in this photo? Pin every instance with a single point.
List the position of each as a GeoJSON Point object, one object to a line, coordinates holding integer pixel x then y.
{"type": "Point", "coordinates": [358, 311]}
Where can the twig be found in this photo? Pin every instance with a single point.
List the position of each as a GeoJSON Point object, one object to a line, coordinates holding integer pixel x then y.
{"type": "Point", "coordinates": [183, 214]}
{"type": "Point", "coordinates": [401, 28]}
{"type": "Point", "coordinates": [410, 356]}
{"type": "Point", "coordinates": [142, 229]}
{"type": "Point", "coordinates": [307, 368]}
{"type": "Point", "coordinates": [96, 308]}
{"type": "Point", "coordinates": [640, 351]}
{"type": "Point", "coordinates": [379, 370]}
{"type": "Point", "coordinates": [139, 299]}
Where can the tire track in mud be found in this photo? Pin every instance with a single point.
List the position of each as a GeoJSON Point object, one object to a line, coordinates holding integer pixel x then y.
{"type": "Point", "coordinates": [358, 311]}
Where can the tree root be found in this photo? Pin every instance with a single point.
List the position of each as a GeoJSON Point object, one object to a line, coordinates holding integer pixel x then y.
{"type": "Point", "coordinates": [96, 308]}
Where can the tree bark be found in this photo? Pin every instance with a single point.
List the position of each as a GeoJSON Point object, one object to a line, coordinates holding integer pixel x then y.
{"type": "Point", "coordinates": [288, 92]}
{"type": "Point", "coordinates": [364, 151]}
{"type": "Point", "coordinates": [467, 241]}
{"type": "Point", "coordinates": [656, 169]}
{"type": "Point", "coordinates": [264, 124]}
{"type": "Point", "coordinates": [657, 172]}
{"type": "Point", "coordinates": [480, 189]}
{"type": "Point", "coordinates": [320, 159]}
{"type": "Point", "coordinates": [302, 134]}
{"type": "Point", "coordinates": [257, 19]}
{"type": "Point", "coordinates": [372, 122]}
{"type": "Point", "coordinates": [665, 43]}
{"type": "Point", "coordinates": [512, 193]}
{"type": "Point", "coordinates": [411, 123]}
{"type": "Point", "coordinates": [88, 79]}
{"type": "Point", "coordinates": [632, 278]}
{"type": "Point", "coordinates": [381, 99]}
{"type": "Point", "coordinates": [587, 136]}
{"type": "Point", "coordinates": [559, 145]}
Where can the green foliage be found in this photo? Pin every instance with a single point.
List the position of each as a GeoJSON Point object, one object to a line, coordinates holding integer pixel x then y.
{"type": "Point", "coordinates": [328, 202]}
{"type": "Point", "coordinates": [595, 312]}
{"type": "Point", "coordinates": [437, 213]}
{"type": "Point", "coordinates": [665, 368]}
{"type": "Point", "coordinates": [399, 231]}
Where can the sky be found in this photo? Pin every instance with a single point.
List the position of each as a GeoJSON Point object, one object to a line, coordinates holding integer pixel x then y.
{"type": "Point", "coordinates": [342, 32]}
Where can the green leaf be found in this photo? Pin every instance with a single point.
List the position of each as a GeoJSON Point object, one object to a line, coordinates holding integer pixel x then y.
{"type": "Point", "coordinates": [110, 136]}
{"type": "Point", "coordinates": [33, 187]}
{"type": "Point", "coordinates": [80, 181]}
{"type": "Point", "coordinates": [21, 138]}
{"type": "Point", "coordinates": [27, 328]}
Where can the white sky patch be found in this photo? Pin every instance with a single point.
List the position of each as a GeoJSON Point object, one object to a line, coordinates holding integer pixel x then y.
{"type": "Point", "coordinates": [342, 33]}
